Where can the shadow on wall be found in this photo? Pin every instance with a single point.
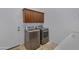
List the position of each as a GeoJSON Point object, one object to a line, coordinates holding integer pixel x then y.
{"type": "Point", "coordinates": [70, 43]}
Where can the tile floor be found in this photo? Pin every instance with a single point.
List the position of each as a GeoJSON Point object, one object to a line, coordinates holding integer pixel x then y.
{"type": "Point", "coordinates": [48, 46]}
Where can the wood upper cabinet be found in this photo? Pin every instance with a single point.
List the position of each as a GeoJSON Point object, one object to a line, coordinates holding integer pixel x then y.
{"type": "Point", "coordinates": [31, 16]}
{"type": "Point", "coordinates": [41, 17]}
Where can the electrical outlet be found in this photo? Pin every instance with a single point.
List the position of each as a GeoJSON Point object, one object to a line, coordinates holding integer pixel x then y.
{"type": "Point", "coordinates": [18, 28]}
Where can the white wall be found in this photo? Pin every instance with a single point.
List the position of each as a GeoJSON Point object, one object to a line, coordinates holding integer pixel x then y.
{"type": "Point", "coordinates": [9, 21]}
{"type": "Point", "coordinates": [61, 22]}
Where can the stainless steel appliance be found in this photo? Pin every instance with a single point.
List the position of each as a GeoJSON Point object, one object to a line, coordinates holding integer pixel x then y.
{"type": "Point", "coordinates": [32, 39]}
{"type": "Point", "coordinates": [44, 36]}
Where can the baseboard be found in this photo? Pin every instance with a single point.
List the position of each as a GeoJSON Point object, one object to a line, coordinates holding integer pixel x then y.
{"type": "Point", "coordinates": [12, 47]}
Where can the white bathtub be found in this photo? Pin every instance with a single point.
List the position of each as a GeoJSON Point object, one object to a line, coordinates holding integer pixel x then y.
{"type": "Point", "coordinates": [70, 43]}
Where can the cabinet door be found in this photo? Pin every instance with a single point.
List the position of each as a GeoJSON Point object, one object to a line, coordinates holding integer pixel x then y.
{"type": "Point", "coordinates": [37, 18]}
{"type": "Point", "coordinates": [40, 18]}
{"type": "Point", "coordinates": [28, 17]}
{"type": "Point", "coordinates": [27, 14]}
{"type": "Point", "coordinates": [31, 16]}
{"type": "Point", "coordinates": [34, 17]}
